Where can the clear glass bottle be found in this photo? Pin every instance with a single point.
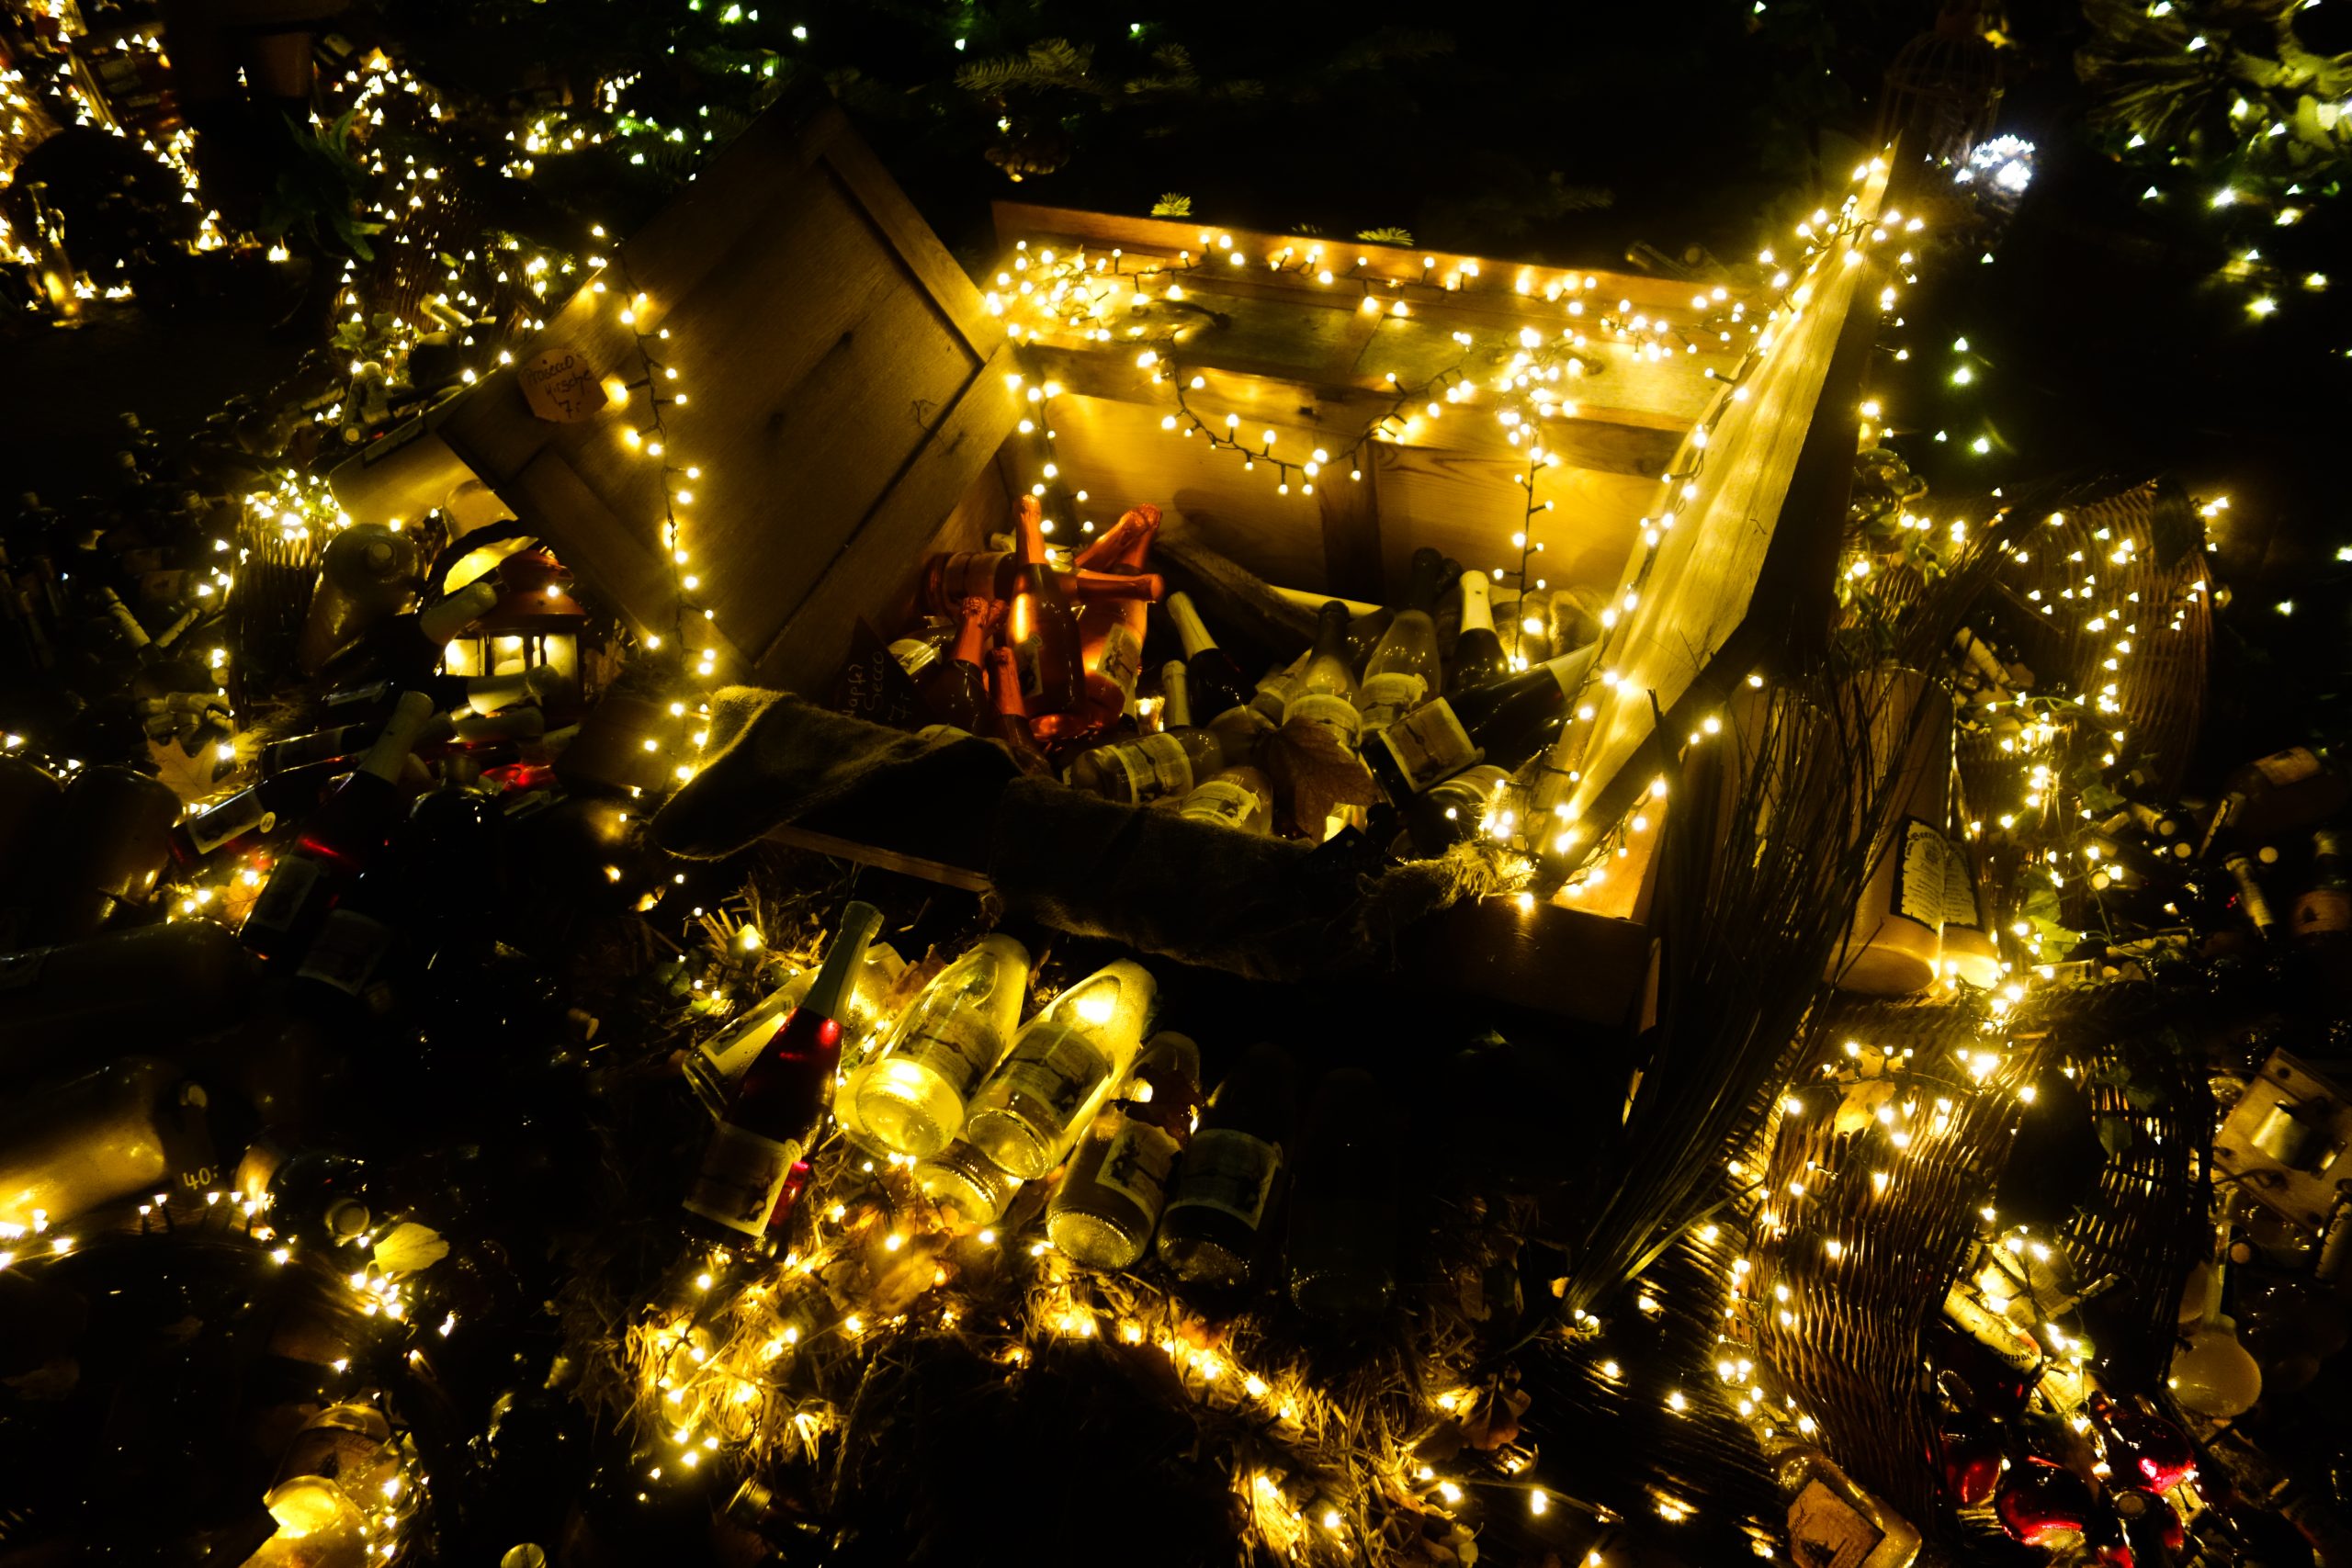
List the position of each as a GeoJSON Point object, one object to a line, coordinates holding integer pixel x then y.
{"type": "Point", "coordinates": [1341, 1248]}
{"type": "Point", "coordinates": [1241, 799]}
{"type": "Point", "coordinates": [966, 1183]}
{"type": "Point", "coordinates": [1227, 1181]}
{"type": "Point", "coordinates": [1326, 692]}
{"type": "Point", "coordinates": [912, 1099]}
{"type": "Point", "coordinates": [1403, 671]}
{"type": "Point", "coordinates": [1109, 1200]}
{"type": "Point", "coordinates": [1062, 1065]}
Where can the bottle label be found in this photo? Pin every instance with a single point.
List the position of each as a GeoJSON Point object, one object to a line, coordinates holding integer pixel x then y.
{"type": "Point", "coordinates": [348, 948]}
{"type": "Point", "coordinates": [957, 1049]}
{"type": "Point", "coordinates": [1272, 696]}
{"type": "Point", "coordinates": [1827, 1531]}
{"type": "Point", "coordinates": [1385, 699]}
{"type": "Point", "coordinates": [1137, 1163]}
{"type": "Point", "coordinates": [1430, 744]}
{"type": "Point", "coordinates": [286, 895]}
{"type": "Point", "coordinates": [1919, 875]}
{"type": "Point", "coordinates": [1121, 658]}
{"type": "Point", "coordinates": [1229, 1171]}
{"type": "Point", "coordinates": [741, 1178]}
{"type": "Point", "coordinates": [1171, 769]}
{"type": "Point", "coordinates": [2291, 766]}
{"type": "Point", "coordinates": [1223, 802]}
{"type": "Point", "coordinates": [1064, 1076]}
{"type": "Point", "coordinates": [1960, 892]}
{"type": "Point", "coordinates": [239, 815]}
{"type": "Point", "coordinates": [2324, 911]}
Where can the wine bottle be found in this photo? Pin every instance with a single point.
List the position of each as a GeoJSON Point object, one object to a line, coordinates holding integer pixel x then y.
{"type": "Point", "coordinates": [956, 688]}
{"type": "Point", "coordinates": [409, 647]}
{"type": "Point", "coordinates": [1478, 655]}
{"type": "Point", "coordinates": [368, 573]}
{"type": "Point", "coordinates": [1164, 766]}
{"type": "Point", "coordinates": [306, 1191]}
{"type": "Point", "coordinates": [1403, 670]}
{"type": "Point", "coordinates": [966, 1183]}
{"type": "Point", "coordinates": [2044, 1505]}
{"type": "Point", "coordinates": [1503, 722]}
{"type": "Point", "coordinates": [1216, 679]}
{"type": "Point", "coordinates": [713, 1068]}
{"type": "Point", "coordinates": [1009, 724]}
{"type": "Point", "coordinates": [1239, 798]}
{"type": "Point", "coordinates": [2287, 789]}
{"type": "Point", "coordinates": [1273, 691]}
{"type": "Point", "coordinates": [349, 829]}
{"type": "Point", "coordinates": [1061, 1066]}
{"type": "Point", "coordinates": [1454, 811]}
{"type": "Point", "coordinates": [342, 743]}
{"type": "Point", "coordinates": [1110, 637]}
{"type": "Point", "coordinates": [1043, 627]}
{"type": "Point", "coordinates": [944, 1043]}
{"type": "Point", "coordinates": [774, 1118]}
{"type": "Point", "coordinates": [133, 1127]}
{"type": "Point", "coordinates": [1225, 1183]}
{"type": "Point", "coordinates": [457, 694]}
{"type": "Point", "coordinates": [2323, 914]}
{"type": "Point", "coordinates": [1326, 689]}
{"type": "Point", "coordinates": [2252, 901]}
{"type": "Point", "coordinates": [254, 809]}
{"type": "Point", "coordinates": [995, 575]}
{"type": "Point", "coordinates": [1341, 1248]}
{"type": "Point", "coordinates": [2141, 1448]}
{"type": "Point", "coordinates": [1110, 1197]}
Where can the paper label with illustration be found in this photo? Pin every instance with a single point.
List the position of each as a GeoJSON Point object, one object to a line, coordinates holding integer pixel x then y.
{"type": "Point", "coordinates": [1919, 875]}
{"type": "Point", "coordinates": [1385, 699]}
{"type": "Point", "coordinates": [741, 1178]}
{"type": "Point", "coordinates": [1229, 1171]}
{"type": "Point", "coordinates": [1137, 1163]}
{"type": "Point", "coordinates": [1430, 745]}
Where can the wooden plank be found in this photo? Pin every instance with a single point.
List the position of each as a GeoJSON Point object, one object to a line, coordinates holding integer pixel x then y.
{"type": "Point", "coordinates": [876, 855]}
{"type": "Point", "coordinates": [1468, 508]}
{"type": "Point", "coordinates": [1352, 562]}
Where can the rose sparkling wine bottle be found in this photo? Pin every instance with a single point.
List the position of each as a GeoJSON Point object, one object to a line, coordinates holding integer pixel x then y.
{"type": "Point", "coordinates": [1044, 628]}
{"type": "Point", "coordinates": [1110, 634]}
{"type": "Point", "coordinates": [1103, 1212]}
{"type": "Point", "coordinates": [774, 1118]}
{"type": "Point", "coordinates": [944, 1043]}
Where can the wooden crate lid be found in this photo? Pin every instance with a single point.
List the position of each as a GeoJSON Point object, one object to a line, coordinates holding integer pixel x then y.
{"type": "Point", "coordinates": [843, 386]}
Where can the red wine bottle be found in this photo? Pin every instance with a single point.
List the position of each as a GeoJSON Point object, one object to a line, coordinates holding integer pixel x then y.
{"type": "Point", "coordinates": [1216, 679]}
{"type": "Point", "coordinates": [2143, 1449]}
{"type": "Point", "coordinates": [955, 689]}
{"type": "Point", "coordinates": [1044, 628]}
{"type": "Point", "coordinates": [338, 841]}
{"type": "Point", "coordinates": [774, 1118]}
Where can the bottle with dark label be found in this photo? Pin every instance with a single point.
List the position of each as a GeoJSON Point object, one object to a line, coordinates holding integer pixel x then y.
{"type": "Point", "coordinates": [1403, 670]}
{"type": "Point", "coordinates": [1043, 627]}
{"type": "Point", "coordinates": [1325, 693]}
{"type": "Point", "coordinates": [1340, 1247]}
{"type": "Point", "coordinates": [1061, 1066]}
{"type": "Point", "coordinates": [774, 1118]}
{"type": "Point", "coordinates": [1478, 655]}
{"type": "Point", "coordinates": [1226, 1184]}
{"type": "Point", "coordinates": [1009, 724]}
{"type": "Point", "coordinates": [956, 688]}
{"type": "Point", "coordinates": [1216, 679]}
{"type": "Point", "coordinates": [1504, 722]}
{"type": "Point", "coordinates": [368, 573]}
{"type": "Point", "coordinates": [338, 841]}
{"type": "Point", "coordinates": [1109, 1199]}
{"type": "Point", "coordinates": [949, 1039]}
{"type": "Point", "coordinates": [2323, 914]}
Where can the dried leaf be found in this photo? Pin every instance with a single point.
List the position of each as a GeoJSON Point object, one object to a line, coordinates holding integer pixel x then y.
{"type": "Point", "coordinates": [409, 1247]}
{"type": "Point", "coordinates": [1313, 770]}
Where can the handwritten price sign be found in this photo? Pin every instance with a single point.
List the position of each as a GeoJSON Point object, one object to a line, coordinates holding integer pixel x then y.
{"type": "Point", "coordinates": [563, 386]}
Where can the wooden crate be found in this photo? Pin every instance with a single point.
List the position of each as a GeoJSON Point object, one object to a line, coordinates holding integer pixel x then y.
{"type": "Point", "coordinates": [854, 400]}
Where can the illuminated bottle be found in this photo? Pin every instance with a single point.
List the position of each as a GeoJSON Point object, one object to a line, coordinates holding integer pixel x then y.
{"type": "Point", "coordinates": [1216, 679]}
{"type": "Point", "coordinates": [1478, 655]}
{"type": "Point", "coordinates": [1110, 1198]}
{"type": "Point", "coordinates": [956, 688]}
{"type": "Point", "coordinates": [1503, 722]}
{"type": "Point", "coordinates": [1009, 724]}
{"type": "Point", "coordinates": [339, 840]}
{"type": "Point", "coordinates": [1043, 627]}
{"type": "Point", "coordinates": [2141, 1448]}
{"type": "Point", "coordinates": [780, 1104]}
{"type": "Point", "coordinates": [2323, 914]}
{"type": "Point", "coordinates": [943, 1044]}
{"type": "Point", "coordinates": [714, 1068]}
{"type": "Point", "coordinates": [1403, 670]}
{"type": "Point", "coordinates": [1326, 690]}
{"type": "Point", "coordinates": [966, 1183]}
{"type": "Point", "coordinates": [1227, 1181]}
{"type": "Point", "coordinates": [1341, 1248]}
{"type": "Point", "coordinates": [1241, 798]}
{"type": "Point", "coordinates": [1062, 1065]}
{"type": "Point", "coordinates": [1162, 766]}
{"type": "Point", "coordinates": [368, 573]}
{"type": "Point", "coordinates": [1110, 631]}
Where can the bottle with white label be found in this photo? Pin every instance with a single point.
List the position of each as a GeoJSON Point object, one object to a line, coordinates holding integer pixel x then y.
{"type": "Point", "coordinates": [1895, 938]}
{"type": "Point", "coordinates": [1326, 690]}
{"type": "Point", "coordinates": [1165, 766]}
{"type": "Point", "coordinates": [1274, 690]}
{"type": "Point", "coordinates": [1227, 1181]}
{"type": "Point", "coordinates": [1061, 1066]}
{"type": "Point", "coordinates": [913, 1098]}
{"type": "Point", "coordinates": [1503, 722]}
{"type": "Point", "coordinates": [1241, 799]}
{"type": "Point", "coordinates": [1109, 1199]}
{"type": "Point", "coordinates": [1403, 671]}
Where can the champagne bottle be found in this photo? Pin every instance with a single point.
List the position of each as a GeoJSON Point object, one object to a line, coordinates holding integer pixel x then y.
{"type": "Point", "coordinates": [956, 688]}
{"type": "Point", "coordinates": [1341, 1249]}
{"type": "Point", "coordinates": [774, 1118]}
{"type": "Point", "coordinates": [1062, 1065]}
{"type": "Point", "coordinates": [368, 573]}
{"type": "Point", "coordinates": [1103, 1212]}
{"type": "Point", "coordinates": [1326, 690]}
{"type": "Point", "coordinates": [2322, 915]}
{"type": "Point", "coordinates": [1043, 627]}
{"type": "Point", "coordinates": [1273, 691]}
{"type": "Point", "coordinates": [1478, 655]}
{"type": "Point", "coordinates": [1216, 679]}
{"type": "Point", "coordinates": [1009, 724]}
{"type": "Point", "coordinates": [339, 840]}
{"type": "Point", "coordinates": [1503, 722]}
{"type": "Point", "coordinates": [254, 809]}
{"type": "Point", "coordinates": [966, 1183]}
{"type": "Point", "coordinates": [133, 1127]}
{"type": "Point", "coordinates": [1110, 636]}
{"type": "Point", "coordinates": [1227, 1181]}
{"type": "Point", "coordinates": [1158, 767]}
{"type": "Point", "coordinates": [1403, 670]}
{"type": "Point", "coordinates": [1239, 798]}
{"type": "Point", "coordinates": [2252, 900]}
{"type": "Point", "coordinates": [943, 1045]}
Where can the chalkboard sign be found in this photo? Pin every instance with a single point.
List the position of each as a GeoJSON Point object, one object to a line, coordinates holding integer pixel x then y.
{"type": "Point", "coordinates": [874, 686]}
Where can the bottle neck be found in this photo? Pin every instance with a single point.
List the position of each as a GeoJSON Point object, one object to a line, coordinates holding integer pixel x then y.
{"type": "Point", "coordinates": [1331, 634]}
{"type": "Point", "coordinates": [1477, 613]}
{"type": "Point", "coordinates": [830, 989]}
{"type": "Point", "coordinates": [1005, 686]}
{"type": "Point", "coordinates": [392, 747]}
{"type": "Point", "coordinates": [972, 637]}
{"type": "Point", "coordinates": [1569, 669]}
{"type": "Point", "coordinates": [1033, 533]}
{"type": "Point", "coordinates": [1178, 713]}
{"type": "Point", "coordinates": [1189, 630]}
{"type": "Point", "coordinates": [438, 622]}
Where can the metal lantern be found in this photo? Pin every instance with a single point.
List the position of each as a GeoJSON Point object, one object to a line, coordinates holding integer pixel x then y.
{"type": "Point", "coordinates": [536, 623]}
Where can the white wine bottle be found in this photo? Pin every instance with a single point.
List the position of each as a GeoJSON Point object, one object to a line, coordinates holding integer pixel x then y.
{"type": "Point", "coordinates": [1403, 671]}
{"type": "Point", "coordinates": [912, 1099]}
{"type": "Point", "coordinates": [1107, 1202]}
{"type": "Point", "coordinates": [1062, 1065]}
{"type": "Point", "coordinates": [1326, 691]}
{"type": "Point", "coordinates": [1241, 799]}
